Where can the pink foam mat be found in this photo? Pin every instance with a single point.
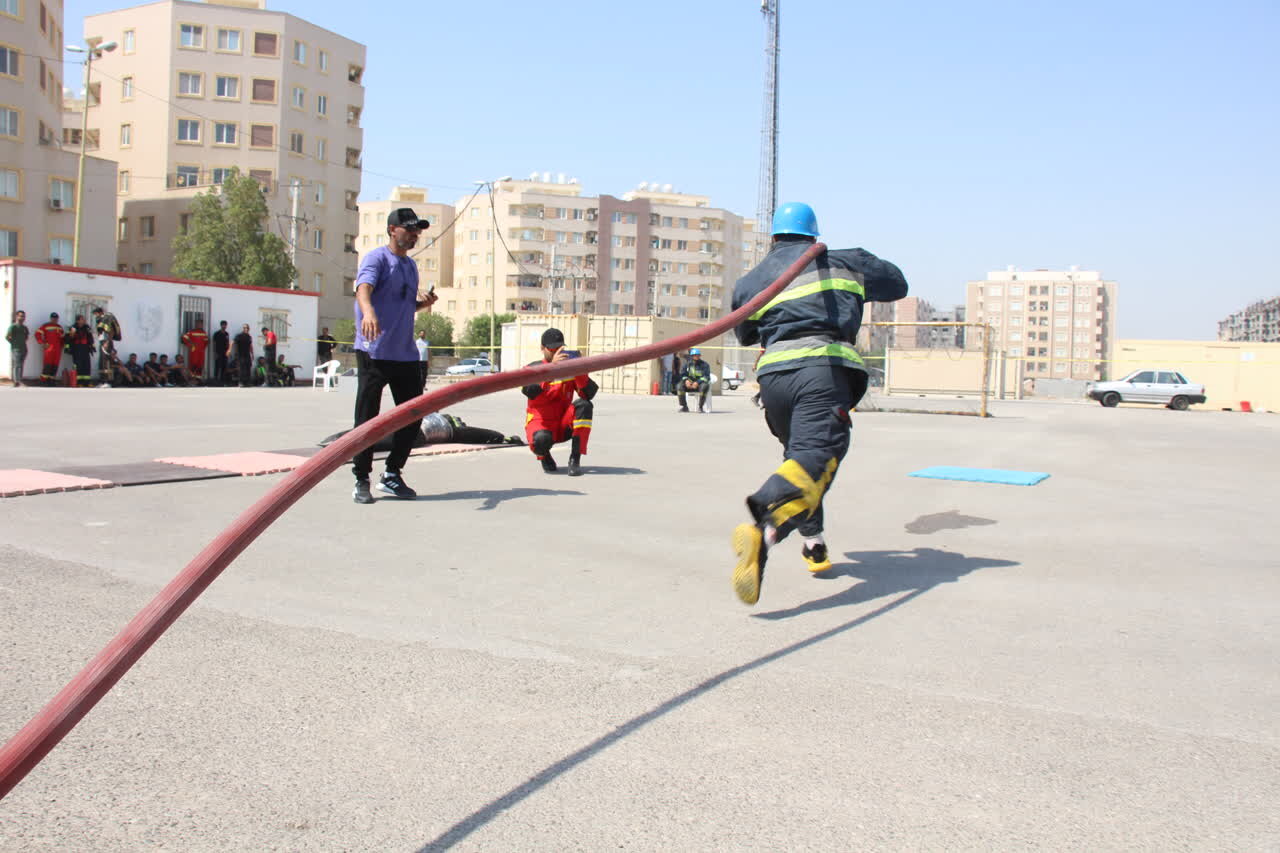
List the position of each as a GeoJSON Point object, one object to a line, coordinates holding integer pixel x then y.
{"type": "Point", "coordinates": [248, 464]}
{"type": "Point", "coordinates": [25, 481]}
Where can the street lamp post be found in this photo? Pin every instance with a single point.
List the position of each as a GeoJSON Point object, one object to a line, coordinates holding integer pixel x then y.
{"type": "Point", "coordinates": [92, 52]}
{"type": "Point", "coordinates": [493, 258]}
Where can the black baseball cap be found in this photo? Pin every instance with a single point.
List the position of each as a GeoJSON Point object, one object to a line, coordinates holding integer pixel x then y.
{"type": "Point", "coordinates": [552, 338]}
{"type": "Point", "coordinates": [404, 217]}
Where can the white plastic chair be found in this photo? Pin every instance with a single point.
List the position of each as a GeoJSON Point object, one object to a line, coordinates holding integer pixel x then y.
{"type": "Point", "coordinates": [711, 391]}
{"type": "Point", "coordinates": [326, 374]}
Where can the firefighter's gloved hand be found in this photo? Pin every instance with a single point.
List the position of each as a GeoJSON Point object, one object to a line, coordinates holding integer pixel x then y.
{"type": "Point", "coordinates": [531, 391]}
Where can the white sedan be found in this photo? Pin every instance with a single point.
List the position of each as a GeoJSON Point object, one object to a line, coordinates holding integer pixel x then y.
{"type": "Point", "coordinates": [471, 366]}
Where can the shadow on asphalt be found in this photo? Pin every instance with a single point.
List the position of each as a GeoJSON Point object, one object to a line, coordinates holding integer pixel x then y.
{"type": "Point", "coordinates": [605, 470]}
{"type": "Point", "coordinates": [912, 573]}
{"type": "Point", "coordinates": [887, 573]}
{"type": "Point", "coordinates": [493, 497]}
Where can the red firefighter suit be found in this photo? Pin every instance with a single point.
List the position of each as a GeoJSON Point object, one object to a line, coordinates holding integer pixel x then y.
{"type": "Point", "coordinates": [196, 341]}
{"type": "Point", "coordinates": [554, 415]}
{"type": "Point", "coordinates": [50, 337]}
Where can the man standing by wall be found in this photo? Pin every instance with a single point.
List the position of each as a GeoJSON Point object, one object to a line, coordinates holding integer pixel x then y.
{"type": "Point", "coordinates": [424, 355]}
{"type": "Point", "coordinates": [386, 303]}
{"type": "Point", "coordinates": [196, 341]}
{"type": "Point", "coordinates": [50, 337]}
{"type": "Point", "coordinates": [80, 342]}
{"type": "Point", "coordinates": [108, 328]}
{"type": "Point", "coordinates": [324, 346]}
{"type": "Point", "coordinates": [17, 338]}
{"type": "Point", "coordinates": [243, 345]}
{"type": "Point", "coordinates": [221, 347]}
{"type": "Point", "coordinates": [269, 350]}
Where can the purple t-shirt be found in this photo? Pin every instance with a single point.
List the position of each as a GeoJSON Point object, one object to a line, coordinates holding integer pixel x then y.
{"type": "Point", "coordinates": [395, 295]}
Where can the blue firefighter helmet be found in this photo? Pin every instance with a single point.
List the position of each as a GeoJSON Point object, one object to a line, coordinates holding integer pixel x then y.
{"type": "Point", "coordinates": [795, 217]}
{"type": "Point", "coordinates": [695, 351]}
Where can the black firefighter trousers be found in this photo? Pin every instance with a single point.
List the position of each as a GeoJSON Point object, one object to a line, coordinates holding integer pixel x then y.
{"type": "Point", "coordinates": [372, 375]}
{"type": "Point", "coordinates": [807, 409]}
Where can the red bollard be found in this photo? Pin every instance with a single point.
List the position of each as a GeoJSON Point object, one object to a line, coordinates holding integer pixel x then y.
{"type": "Point", "coordinates": [654, 391]}
{"type": "Point", "coordinates": [1245, 407]}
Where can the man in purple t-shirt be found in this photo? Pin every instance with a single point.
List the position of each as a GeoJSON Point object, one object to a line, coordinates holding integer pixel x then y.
{"type": "Point", "coordinates": [386, 303]}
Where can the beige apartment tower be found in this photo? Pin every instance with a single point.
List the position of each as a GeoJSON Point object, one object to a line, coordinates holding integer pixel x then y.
{"type": "Point", "coordinates": [196, 89]}
{"type": "Point", "coordinates": [39, 188]}
{"type": "Point", "coordinates": [1062, 324]}
{"type": "Point", "coordinates": [651, 251]}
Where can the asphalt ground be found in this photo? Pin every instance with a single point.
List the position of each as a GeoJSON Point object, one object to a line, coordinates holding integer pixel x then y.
{"type": "Point", "coordinates": [517, 661]}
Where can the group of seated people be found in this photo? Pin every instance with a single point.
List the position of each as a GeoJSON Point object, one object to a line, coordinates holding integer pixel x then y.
{"type": "Point", "coordinates": [158, 372]}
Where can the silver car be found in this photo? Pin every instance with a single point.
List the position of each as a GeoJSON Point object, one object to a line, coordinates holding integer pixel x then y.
{"type": "Point", "coordinates": [1166, 387]}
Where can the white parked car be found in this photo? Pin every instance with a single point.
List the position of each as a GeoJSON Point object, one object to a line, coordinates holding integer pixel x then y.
{"type": "Point", "coordinates": [471, 366]}
{"type": "Point", "coordinates": [733, 378]}
{"type": "Point", "coordinates": [1166, 387]}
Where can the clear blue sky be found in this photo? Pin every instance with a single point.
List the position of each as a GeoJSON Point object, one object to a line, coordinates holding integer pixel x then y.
{"type": "Point", "coordinates": [1135, 138]}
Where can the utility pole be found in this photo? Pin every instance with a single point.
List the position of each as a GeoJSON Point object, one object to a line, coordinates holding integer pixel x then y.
{"type": "Point", "coordinates": [92, 51]}
{"type": "Point", "coordinates": [293, 230]}
{"type": "Point", "coordinates": [767, 201]}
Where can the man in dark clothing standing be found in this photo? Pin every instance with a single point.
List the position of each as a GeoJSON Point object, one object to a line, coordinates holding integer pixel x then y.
{"type": "Point", "coordinates": [221, 348]}
{"type": "Point", "coordinates": [243, 345]}
{"type": "Point", "coordinates": [108, 328]}
{"type": "Point", "coordinates": [811, 377]}
{"type": "Point", "coordinates": [17, 338]}
{"type": "Point", "coordinates": [324, 346]}
{"type": "Point", "coordinates": [80, 342]}
{"type": "Point", "coordinates": [386, 304]}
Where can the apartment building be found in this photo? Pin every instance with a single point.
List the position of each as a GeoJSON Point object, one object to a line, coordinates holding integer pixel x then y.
{"type": "Point", "coordinates": [1259, 322]}
{"type": "Point", "coordinates": [434, 252]}
{"type": "Point", "coordinates": [39, 189]}
{"type": "Point", "coordinates": [911, 309]}
{"type": "Point", "coordinates": [1062, 324]}
{"type": "Point", "coordinates": [554, 250]}
{"type": "Point", "coordinates": [198, 88]}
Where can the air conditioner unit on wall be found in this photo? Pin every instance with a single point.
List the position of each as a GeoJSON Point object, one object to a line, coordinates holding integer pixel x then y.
{"type": "Point", "coordinates": [55, 204]}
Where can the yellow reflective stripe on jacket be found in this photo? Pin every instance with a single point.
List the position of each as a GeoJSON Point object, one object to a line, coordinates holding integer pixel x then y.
{"type": "Point", "coordinates": [845, 284]}
{"type": "Point", "coordinates": [830, 350]}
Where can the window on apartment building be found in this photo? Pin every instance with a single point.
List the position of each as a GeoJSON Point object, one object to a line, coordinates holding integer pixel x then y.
{"type": "Point", "coordinates": [229, 40]}
{"type": "Point", "coordinates": [8, 243]}
{"type": "Point", "coordinates": [44, 19]}
{"type": "Point", "coordinates": [146, 227]}
{"type": "Point", "coordinates": [40, 77]}
{"type": "Point", "coordinates": [188, 130]}
{"type": "Point", "coordinates": [59, 250]}
{"type": "Point", "coordinates": [9, 62]}
{"type": "Point", "coordinates": [1015, 290]}
{"type": "Point", "coordinates": [128, 41]}
{"type": "Point", "coordinates": [264, 90]}
{"type": "Point", "coordinates": [1082, 290]}
{"type": "Point", "coordinates": [122, 180]}
{"type": "Point", "coordinates": [10, 184]}
{"type": "Point", "coordinates": [126, 88]}
{"type": "Point", "coordinates": [184, 222]}
{"type": "Point", "coordinates": [1059, 321]}
{"type": "Point", "coordinates": [122, 229]}
{"type": "Point", "coordinates": [322, 105]}
{"type": "Point", "coordinates": [300, 52]}
{"type": "Point", "coordinates": [219, 175]}
{"type": "Point", "coordinates": [9, 122]}
{"type": "Point", "coordinates": [317, 282]}
{"type": "Point", "coordinates": [1062, 290]}
{"type": "Point", "coordinates": [146, 268]}
{"type": "Point", "coordinates": [319, 193]}
{"type": "Point", "coordinates": [1059, 336]}
{"type": "Point", "coordinates": [354, 73]}
{"type": "Point", "coordinates": [995, 290]}
{"type": "Point", "coordinates": [190, 84]}
{"type": "Point", "coordinates": [322, 149]}
{"type": "Point", "coordinates": [187, 176]}
{"type": "Point", "coordinates": [322, 59]}
{"type": "Point", "coordinates": [277, 321]}
{"type": "Point", "coordinates": [63, 193]}
{"type": "Point", "coordinates": [266, 44]}
{"type": "Point", "coordinates": [126, 135]}
{"type": "Point", "coordinates": [262, 136]}
{"type": "Point", "coordinates": [295, 142]}
{"type": "Point", "coordinates": [226, 87]}
{"type": "Point", "coordinates": [190, 35]}
{"type": "Point", "coordinates": [264, 177]}
{"type": "Point", "coordinates": [225, 133]}
{"type": "Point", "coordinates": [317, 239]}
{"type": "Point", "coordinates": [299, 98]}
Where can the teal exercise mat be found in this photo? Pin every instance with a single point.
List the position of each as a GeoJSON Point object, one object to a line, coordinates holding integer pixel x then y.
{"type": "Point", "coordinates": [981, 475]}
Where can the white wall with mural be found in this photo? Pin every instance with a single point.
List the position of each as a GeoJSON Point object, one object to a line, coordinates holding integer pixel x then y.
{"type": "Point", "coordinates": [153, 312]}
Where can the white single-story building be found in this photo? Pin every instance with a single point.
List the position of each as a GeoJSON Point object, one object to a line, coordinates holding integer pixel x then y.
{"type": "Point", "coordinates": [153, 312]}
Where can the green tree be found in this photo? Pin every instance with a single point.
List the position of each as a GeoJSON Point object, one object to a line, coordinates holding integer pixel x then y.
{"type": "Point", "coordinates": [439, 331]}
{"type": "Point", "coordinates": [344, 331]}
{"type": "Point", "coordinates": [476, 333]}
{"type": "Point", "coordinates": [227, 239]}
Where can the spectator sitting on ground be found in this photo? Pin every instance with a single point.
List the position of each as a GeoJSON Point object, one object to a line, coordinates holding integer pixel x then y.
{"type": "Point", "coordinates": [136, 373]}
{"type": "Point", "coordinates": [285, 373]}
{"type": "Point", "coordinates": [166, 370]}
{"type": "Point", "coordinates": [157, 376]}
{"type": "Point", "coordinates": [180, 374]}
{"type": "Point", "coordinates": [261, 376]}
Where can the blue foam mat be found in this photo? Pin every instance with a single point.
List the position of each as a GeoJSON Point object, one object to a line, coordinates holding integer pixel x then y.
{"type": "Point", "coordinates": [981, 475]}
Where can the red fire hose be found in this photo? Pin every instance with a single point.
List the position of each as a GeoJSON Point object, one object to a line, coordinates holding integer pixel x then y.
{"type": "Point", "coordinates": [30, 745]}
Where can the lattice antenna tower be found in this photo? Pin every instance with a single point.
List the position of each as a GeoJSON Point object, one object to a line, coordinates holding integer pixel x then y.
{"type": "Point", "coordinates": [767, 201]}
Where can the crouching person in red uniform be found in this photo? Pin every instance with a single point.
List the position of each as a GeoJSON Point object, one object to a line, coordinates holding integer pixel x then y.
{"type": "Point", "coordinates": [553, 415]}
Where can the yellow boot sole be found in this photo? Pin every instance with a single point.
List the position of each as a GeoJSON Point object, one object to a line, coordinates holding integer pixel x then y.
{"type": "Point", "coordinates": [748, 544]}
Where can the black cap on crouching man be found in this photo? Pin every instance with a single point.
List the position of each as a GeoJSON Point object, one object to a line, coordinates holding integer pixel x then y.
{"type": "Point", "coordinates": [552, 338]}
{"type": "Point", "coordinates": [404, 217]}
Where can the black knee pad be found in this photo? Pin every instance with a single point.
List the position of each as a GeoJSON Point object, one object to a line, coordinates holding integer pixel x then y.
{"type": "Point", "coordinates": [542, 441]}
{"type": "Point", "coordinates": [583, 409]}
